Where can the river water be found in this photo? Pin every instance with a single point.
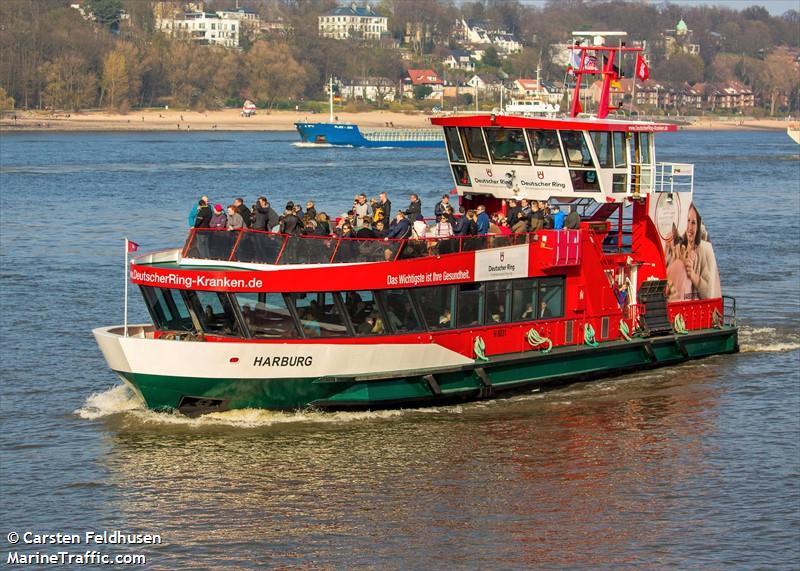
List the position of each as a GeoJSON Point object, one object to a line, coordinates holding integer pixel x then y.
{"type": "Point", "coordinates": [692, 467]}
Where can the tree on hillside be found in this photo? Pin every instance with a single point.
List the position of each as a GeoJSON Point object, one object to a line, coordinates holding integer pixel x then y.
{"type": "Point", "coordinates": [780, 77]}
{"type": "Point", "coordinates": [6, 101]}
{"type": "Point", "coordinates": [106, 12]}
{"type": "Point", "coordinates": [272, 73]}
{"type": "Point", "coordinates": [121, 77]}
{"type": "Point", "coordinates": [682, 67]}
{"type": "Point", "coordinates": [68, 83]}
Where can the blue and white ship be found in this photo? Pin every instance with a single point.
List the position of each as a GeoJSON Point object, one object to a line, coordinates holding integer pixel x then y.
{"type": "Point", "coordinates": [331, 133]}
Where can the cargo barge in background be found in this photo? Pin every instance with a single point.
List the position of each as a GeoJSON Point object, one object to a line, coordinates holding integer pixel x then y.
{"type": "Point", "coordinates": [252, 319]}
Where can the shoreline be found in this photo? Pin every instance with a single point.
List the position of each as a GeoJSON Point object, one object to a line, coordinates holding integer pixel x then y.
{"type": "Point", "coordinates": [230, 120]}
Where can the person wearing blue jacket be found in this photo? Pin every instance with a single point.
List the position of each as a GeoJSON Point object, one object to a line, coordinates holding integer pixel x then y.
{"type": "Point", "coordinates": [483, 221]}
{"type": "Point", "coordinates": [193, 212]}
{"type": "Point", "coordinates": [558, 218]}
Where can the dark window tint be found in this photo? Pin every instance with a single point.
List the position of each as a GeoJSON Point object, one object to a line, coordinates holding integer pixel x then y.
{"type": "Point", "coordinates": [266, 315]}
{"type": "Point", "coordinates": [576, 149]}
{"type": "Point", "coordinates": [400, 313]}
{"type": "Point", "coordinates": [470, 305]}
{"type": "Point", "coordinates": [644, 148]}
{"type": "Point", "coordinates": [551, 298]}
{"type": "Point", "coordinates": [167, 309]}
{"type": "Point", "coordinates": [546, 152]}
{"type": "Point", "coordinates": [437, 305]}
{"type": "Point", "coordinates": [584, 181]}
{"type": "Point", "coordinates": [507, 145]}
{"type": "Point", "coordinates": [524, 299]}
{"type": "Point", "coordinates": [364, 312]}
{"type": "Point", "coordinates": [620, 155]}
{"type": "Point", "coordinates": [319, 314]}
{"type": "Point", "coordinates": [602, 148]}
{"type": "Point", "coordinates": [454, 145]}
{"type": "Point", "coordinates": [475, 147]}
{"type": "Point", "coordinates": [215, 312]}
{"type": "Point", "coordinates": [498, 302]}
{"type": "Point", "coordinates": [620, 182]}
{"type": "Point", "coordinates": [461, 175]}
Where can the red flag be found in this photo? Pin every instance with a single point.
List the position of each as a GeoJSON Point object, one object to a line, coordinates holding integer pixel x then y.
{"type": "Point", "coordinates": [642, 69]}
{"type": "Point", "coordinates": [132, 246]}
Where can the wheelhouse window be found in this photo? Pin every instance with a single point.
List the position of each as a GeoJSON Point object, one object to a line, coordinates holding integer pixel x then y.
{"type": "Point", "coordinates": [474, 144]}
{"type": "Point", "coordinates": [546, 151]}
{"type": "Point", "coordinates": [461, 175]}
{"type": "Point", "coordinates": [470, 304]}
{"type": "Point", "coordinates": [454, 149]}
{"type": "Point", "coordinates": [602, 148]}
{"type": "Point", "coordinates": [437, 305]}
{"type": "Point", "coordinates": [576, 149]}
{"type": "Point", "coordinates": [266, 315]}
{"type": "Point", "coordinates": [507, 146]}
{"type": "Point", "coordinates": [319, 314]}
{"type": "Point", "coordinates": [584, 180]}
{"type": "Point", "coordinates": [167, 309]}
{"type": "Point", "coordinates": [215, 312]}
{"type": "Point", "coordinates": [364, 312]}
{"type": "Point", "coordinates": [498, 302]}
{"type": "Point", "coordinates": [401, 316]}
{"type": "Point", "coordinates": [620, 154]}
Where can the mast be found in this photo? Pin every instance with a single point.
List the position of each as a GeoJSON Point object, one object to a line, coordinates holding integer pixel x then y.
{"type": "Point", "coordinates": [330, 100]}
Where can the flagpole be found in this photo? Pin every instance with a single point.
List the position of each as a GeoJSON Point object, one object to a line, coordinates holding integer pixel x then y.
{"type": "Point", "coordinates": [125, 326]}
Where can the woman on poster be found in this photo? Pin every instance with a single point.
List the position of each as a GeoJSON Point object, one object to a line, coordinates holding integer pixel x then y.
{"type": "Point", "coordinates": [700, 262]}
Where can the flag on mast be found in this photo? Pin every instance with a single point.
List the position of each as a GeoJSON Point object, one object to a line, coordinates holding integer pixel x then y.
{"type": "Point", "coordinates": [642, 69]}
{"type": "Point", "coordinates": [132, 246]}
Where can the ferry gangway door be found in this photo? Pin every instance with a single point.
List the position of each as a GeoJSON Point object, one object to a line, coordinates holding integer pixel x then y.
{"type": "Point", "coordinates": [653, 296]}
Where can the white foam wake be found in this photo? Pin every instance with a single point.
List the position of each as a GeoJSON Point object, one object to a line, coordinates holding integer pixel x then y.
{"type": "Point", "coordinates": [120, 400]}
{"type": "Point", "coordinates": [767, 340]}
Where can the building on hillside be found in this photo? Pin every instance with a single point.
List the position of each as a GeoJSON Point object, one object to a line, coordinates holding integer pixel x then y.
{"type": "Point", "coordinates": [730, 95]}
{"type": "Point", "coordinates": [423, 77]}
{"type": "Point", "coordinates": [459, 59]}
{"type": "Point", "coordinates": [276, 26]}
{"type": "Point", "coordinates": [679, 40]}
{"type": "Point", "coordinates": [370, 89]}
{"type": "Point", "coordinates": [353, 22]}
{"type": "Point", "coordinates": [202, 27]}
{"type": "Point", "coordinates": [505, 43]}
{"type": "Point", "coordinates": [480, 33]}
{"type": "Point", "coordinates": [418, 35]}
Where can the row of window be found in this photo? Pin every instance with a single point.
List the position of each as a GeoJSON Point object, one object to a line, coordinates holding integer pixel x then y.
{"type": "Point", "coordinates": [355, 313]}
{"type": "Point", "coordinates": [501, 145]}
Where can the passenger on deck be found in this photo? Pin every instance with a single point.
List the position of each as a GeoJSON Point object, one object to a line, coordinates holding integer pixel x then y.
{"type": "Point", "coordinates": [536, 217]}
{"type": "Point", "coordinates": [366, 230]}
{"type": "Point", "coordinates": [218, 220]}
{"type": "Point", "coordinates": [401, 229]}
{"type": "Point", "coordinates": [262, 215]}
{"type": "Point", "coordinates": [380, 229]}
{"type": "Point", "coordinates": [311, 211]}
{"type": "Point", "coordinates": [360, 208]}
{"type": "Point", "coordinates": [385, 205]}
{"type": "Point", "coordinates": [443, 228]}
{"type": "Point", "coordinates": [290, 223]}
{"type": "Point", "coordinates": [414, 210]}
{"type": "Point", "coordinates": [324, 224]}
{"type": "Point", "coordinates": [203, 214]}
{"type": "Point", "coordinates": [521, 224]}
{"type": "Point", "coordinates": [547, 219]}
{"type": "Point", "coordinates": [243, 211]}
{"type": "Point", "coordinates": [558, 217]}
{"type": "Point", "coordinates": [482, 220]}
{"type": "Point", "coordinates": [419, 229]}
{"type": "Point", "coordinates": [513, 208]}
{"type": "Point", "coordinates": [439, 209]}
{"type": "Point", "coordinates": [573, 220]}
{"type": "Point", "coordinates": [525, 206]}
{"type": "Point", "coordinates": [193, 212]}
{"type": "Point", "coordinates": [451, 215]}
{"type": "Point", "coordinates": [235, 221]}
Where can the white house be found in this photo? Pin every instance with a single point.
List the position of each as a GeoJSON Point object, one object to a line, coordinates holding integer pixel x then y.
{"type": "Point", "coordinates": [202, 27]}
{"type": "Point", "coordinates": [367, 89]}
{"type": "Point", "coordinates": [478, 33]}
{"type": "Point", "coordinates": [353, 22]}
{"type": "Point", "coordinates": [459, 59]}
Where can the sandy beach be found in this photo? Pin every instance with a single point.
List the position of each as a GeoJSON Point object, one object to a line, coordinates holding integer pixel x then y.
{"type": "Point", "coordinates": [231, 120]}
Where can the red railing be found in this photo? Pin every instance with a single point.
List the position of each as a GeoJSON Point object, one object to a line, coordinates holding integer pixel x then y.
{"type": "Point", "coordinates": [274, 248]}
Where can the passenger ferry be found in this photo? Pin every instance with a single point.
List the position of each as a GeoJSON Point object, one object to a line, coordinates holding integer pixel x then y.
{"type": "Point", "coordinates": [254, 319]}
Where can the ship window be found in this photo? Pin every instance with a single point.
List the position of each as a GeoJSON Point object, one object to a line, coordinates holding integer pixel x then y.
{"type": "Point", "coordinates": [620, 155]}
{"type": "Point", "coordinates": [551, 296]}
{"type": "Point", "coordinates": [473, 141]}
{"type": "Point", "coordinates": [437, 305]}
{"type": "Point", "coordinates": [167, 308]}
{"type": "Point", "coordinates": [619, 182]}
{"type": "Point", "coordinates": [546, 152]}
{"type": "Point", "coordinates": [470, 305]}
{"type": "Point", "coordinates": [498, 302]}
{"type": "Point", "coordinates": [461, 175]}
{"type": "Point", "coordinates": [364, 312]}
{"type": "Point", "coordinates": [602, 148]}
{"type": "Point", "coordinates": [524, 300]}
{"type": "Point", "coordinates": [319, 314]}
{"type": "Point", "coordinates": [401, 316]}
{"type": "Point", "coordinates": [507, 146]}
{"type": "Point", "coordinates": [215, 312]}
{"type": "Point", "coordinates": [643, 148]}
{"type": "Point", "coordinates": [576, 149]}
{"type": "Point", "coordinates": [584, 181]}
{"type": "Point", "coordinates": [453, 145]}
{"type": "Point", "coordinates": [266, 315]}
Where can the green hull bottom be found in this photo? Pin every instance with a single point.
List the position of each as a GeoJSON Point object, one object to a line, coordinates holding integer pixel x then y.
{"type": "Point", "coordinates": [485, 379]}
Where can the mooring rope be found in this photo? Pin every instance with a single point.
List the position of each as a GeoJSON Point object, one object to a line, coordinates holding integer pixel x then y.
{"type": "Point", "coordinates": [480, 348]}
{"type": "Point", "coordinates": [678, 325]}
{"type": "Point", "coordinates": [716, 319]}
{"type": "Point", "coordinates": [588, 335]}
{"type": "Point", "coordinates": [534, 339]}
{"type": "Point", "coordinates": [624, 330]}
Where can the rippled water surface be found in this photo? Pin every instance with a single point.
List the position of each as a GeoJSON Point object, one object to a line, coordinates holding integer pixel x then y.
{"type": "Point", "coordinates": [692, 467]}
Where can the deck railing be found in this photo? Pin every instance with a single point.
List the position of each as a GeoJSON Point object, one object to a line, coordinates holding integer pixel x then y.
{"type": "Point", "coordinates": [259, 247]}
